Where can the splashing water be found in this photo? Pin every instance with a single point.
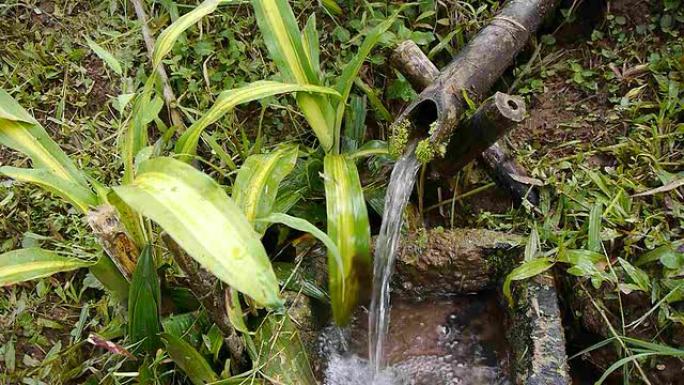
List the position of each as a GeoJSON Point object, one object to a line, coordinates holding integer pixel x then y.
{"type": "Point", "coordinates": [398, 192]}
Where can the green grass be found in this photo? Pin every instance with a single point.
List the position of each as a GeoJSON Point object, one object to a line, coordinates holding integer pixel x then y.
{"type": "Point", "coordinates": [609, 140]}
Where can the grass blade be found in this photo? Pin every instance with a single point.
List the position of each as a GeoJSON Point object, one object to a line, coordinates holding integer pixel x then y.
{"type": "Point", "coordinates": [144, 303]}
{"type": "Point", "coordinates": [227, 100]}
{"type": "Point", "coordinates": [32, 263]}
{"type": "Point", "coordinates": [107, 57]}
{"type": "Point", "coordinates": [257, 182]}
{"type": "Point", "coordinates": [349, 229]}
{"type": "Point", "coordinates": [594, 232]}
{"type": "Point", "coordinates": [351, 69]}
{"type": "Point", "coordinates": [189, 360]}
{"type": "Point", "coordinates": [206, 223]}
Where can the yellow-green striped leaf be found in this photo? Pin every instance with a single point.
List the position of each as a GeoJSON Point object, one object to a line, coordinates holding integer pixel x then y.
{"type": "Point", "coordinates": [257, 182]}
{"type": "Point", "coordinates": [295, 58]}
{"type": "Point", "coordinates": [198, 214]}
{"type": "Point", "coordinates": [281, 354]}
{"type": "Point", "coordinates": [77, 195]}
{"type": "Point", "coordinates": [32, 263]}
{"type": "Point", "coordinates": [284, 40]}
{"type": "Point", "coordinates": [22, 133]}
{"type": "Point", "coordinates": [349, 229]}
{"type": "Point", "coordinates": [227, 100]}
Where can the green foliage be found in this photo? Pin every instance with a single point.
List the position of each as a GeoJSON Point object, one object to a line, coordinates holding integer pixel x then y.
{"type": "Point", "coordinates": [144, 303]}
{"type": "Point", "coordinates": [205, 222]}
{"type": "Point", "coordinates": [349, 229]}
{"type": "Point", "coordinates": [32, 263]}
{"type": "Point", "coordinates": [190, 361]}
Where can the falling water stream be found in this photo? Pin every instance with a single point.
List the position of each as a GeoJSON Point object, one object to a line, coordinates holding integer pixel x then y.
{"type": "Point", "coordinates": [448, 341]}
{"type": "Point", "coordinates": [398, 192]}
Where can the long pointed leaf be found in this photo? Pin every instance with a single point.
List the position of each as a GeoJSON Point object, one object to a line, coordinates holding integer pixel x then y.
{"type": "Point", "coordinates": [170, 35]}
{"type": "Point", "coordinates": [76, 194]}
{"type": "Point", "coordinates": [106, 56]}
{"type": "Point", "coordinates": [227, 100]}
{"type": "Point", "coordinates": [32, 140]}
{"type": "Point", "coordinates": [284, 40]}
{"type": "Point", "coordinates": [32, 263]}
{"type": "Point", "coordinates": [189, 360]}
{"type": "Point", "coordinates": [295, 58]}
{"type": "Point", "coordinates": [348, 227]}
{"type": "Point", "coordinates": [351, 70]}
{"type": "Point", "coordinates": [206, 223]}
{"type": "Point", "coordinates": [256, 185]}
{"type": "Point", "coordinates": [11, 110]}
{"type": "Point", "coordinates": [144, 303]}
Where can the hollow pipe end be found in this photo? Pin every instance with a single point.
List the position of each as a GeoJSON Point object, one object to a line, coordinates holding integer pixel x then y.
{"type": "Point", "coordinates": [510, 106]}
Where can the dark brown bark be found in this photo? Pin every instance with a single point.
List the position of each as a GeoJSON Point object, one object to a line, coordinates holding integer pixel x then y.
{"type": "Point", "coordinates": [492, 120]}
{"type": "Point", "coordinates": [496, 159]}
{"type": "Point", "coordinates": [211, 295]}
{"type": "Point", "coordinates": [475, 70]}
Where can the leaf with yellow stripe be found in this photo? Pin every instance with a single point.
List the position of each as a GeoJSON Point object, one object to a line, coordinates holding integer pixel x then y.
{"type": "Point", "coordinates": [227, 100]}
{"type": "Point", "coordinates": [33, 141]}
{"type": "Point", "coordinates": [33, 263]}
{"type": "Point", "coordinates": [295, 58]}
{"type": "Point", "coordinates": [80, 197]}
{"type": "Point", "coordinates": [198, 214]}
{"type": "Point", "coordinates": [349, 229]}
{"type": "Point", "coordinates": [257, 182]}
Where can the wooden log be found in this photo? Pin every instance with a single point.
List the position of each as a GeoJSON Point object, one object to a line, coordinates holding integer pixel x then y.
{"type": "Point", "coordinates": [499, 164]}
{"type": "Point", "coordinates": [475, 70]}
{"type": "Point", "coordinates": [536, 334]}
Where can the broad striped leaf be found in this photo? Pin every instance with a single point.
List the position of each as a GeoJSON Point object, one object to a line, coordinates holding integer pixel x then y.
{"type": "Point", "coordinates": [33, 141]}
{"type": "Point", "coordinates": [227, 100]}
{"type": "Point", "coordinates": [198, 214]}
{"type": "Point", "coordinates": [284, 40]}
{"type": "Point", "coordinates": [257, 182]}
{"type": "Point", "coordinates": [349, 229]}
{"type": "Point", "coordinates": [77, 195]}
{"type": "Point", "coordinates": [191, 362]}
{"type": "Point", "coordinates": [295, 58]}
{"type": "Point", "coordinates": [144, 303]}
{"type": "Point", "coordinates": [32, 263]}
